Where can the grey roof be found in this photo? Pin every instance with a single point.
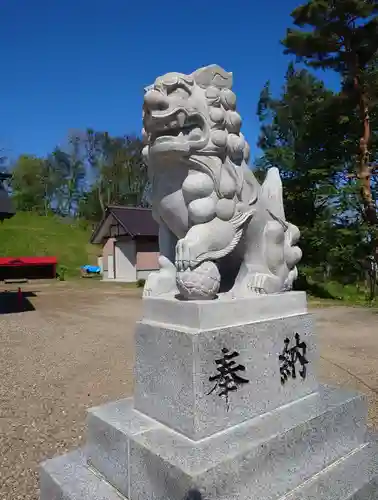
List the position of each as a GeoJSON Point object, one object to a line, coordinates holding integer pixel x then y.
{"type": "Point", "coordinates": [135, 221]}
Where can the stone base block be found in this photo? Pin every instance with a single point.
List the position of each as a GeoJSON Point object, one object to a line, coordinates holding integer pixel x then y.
{"type": "Point", "coordinates": [273, 435]}
{"type": "Point", "coordinates": [177, 366]}
{"type": "Point", "coordinates": [225, 311]}
{"type": "Point", "coordinates": [69, 478]}
{"type": "Point", "coordinates": [267, 457]}
{"type": "Point", "coordinates": [354, 477]}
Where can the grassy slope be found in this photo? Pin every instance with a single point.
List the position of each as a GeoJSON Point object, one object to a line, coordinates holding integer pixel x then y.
{"type": "Point", "coordinates": [28, 234]}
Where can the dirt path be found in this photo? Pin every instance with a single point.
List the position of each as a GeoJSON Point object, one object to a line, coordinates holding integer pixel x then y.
{"type": "Point", "coordinates": [75, 350]}
{"type": "Point", "coordinates": [348, 340]}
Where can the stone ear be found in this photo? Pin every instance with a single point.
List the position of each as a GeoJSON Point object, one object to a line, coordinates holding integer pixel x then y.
{"type": "Point", "coordinates": [213, 75]}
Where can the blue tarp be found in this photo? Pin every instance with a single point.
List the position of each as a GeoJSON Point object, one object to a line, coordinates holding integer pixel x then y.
{"type": "Point", "coordinates": [91, 269]}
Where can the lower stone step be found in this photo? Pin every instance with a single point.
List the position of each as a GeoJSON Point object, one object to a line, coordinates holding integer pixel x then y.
{"type": "Point", "coordinates": [262, 458]}
{"type": "Point", "coordinates": [353, 477]}
{"type": "Point", "coordinates": [69, 478]}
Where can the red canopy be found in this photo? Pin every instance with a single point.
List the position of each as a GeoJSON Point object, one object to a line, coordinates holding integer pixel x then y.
{"type": "Point", "coordinates": [28, 261]}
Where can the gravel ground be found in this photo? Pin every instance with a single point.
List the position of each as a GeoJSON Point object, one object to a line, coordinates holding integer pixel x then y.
{"type": "Point", "coordinates": [75, 350]}
{"type": "Point", "coordinates": [349, 351]}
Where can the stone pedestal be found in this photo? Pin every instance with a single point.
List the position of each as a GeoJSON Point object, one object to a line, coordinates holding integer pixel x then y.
{"type": "Point", "coordinates": [226, 405]}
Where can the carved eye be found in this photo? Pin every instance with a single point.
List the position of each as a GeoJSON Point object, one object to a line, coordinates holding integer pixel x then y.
{"type": "Point", "coordinates": [178, 91]}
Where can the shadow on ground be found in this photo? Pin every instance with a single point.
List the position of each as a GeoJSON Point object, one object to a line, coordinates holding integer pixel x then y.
{"type": "Point", "coordinates": [317, 290]}
{"type": "Point", "coordinates": [11, 302]}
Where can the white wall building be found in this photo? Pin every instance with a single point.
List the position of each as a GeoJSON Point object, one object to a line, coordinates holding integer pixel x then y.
{"type": "Point", "coordinates": [129, 237]}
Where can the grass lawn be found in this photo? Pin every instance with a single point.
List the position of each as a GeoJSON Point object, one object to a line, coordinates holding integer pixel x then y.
{"type": "Point", "coordinates": [29, 235]}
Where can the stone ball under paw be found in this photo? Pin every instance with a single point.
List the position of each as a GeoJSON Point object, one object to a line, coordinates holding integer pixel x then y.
{"type": "Point", "coordinates": [201, 283]}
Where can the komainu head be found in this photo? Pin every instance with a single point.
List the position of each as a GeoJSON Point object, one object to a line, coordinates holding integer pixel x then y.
{"type": "Point", "coordinates": [194, 114]}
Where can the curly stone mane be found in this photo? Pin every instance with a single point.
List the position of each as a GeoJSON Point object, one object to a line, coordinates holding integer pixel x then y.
{"type": "Point", "coordinates": [226, 124]}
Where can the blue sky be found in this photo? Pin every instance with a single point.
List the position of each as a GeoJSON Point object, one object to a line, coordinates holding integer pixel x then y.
{"type": "Point", "coordinates": [74, 64]}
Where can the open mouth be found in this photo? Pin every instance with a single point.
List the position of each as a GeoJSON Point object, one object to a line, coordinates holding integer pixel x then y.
{"type": "Point", "coordinates": [179, 126]}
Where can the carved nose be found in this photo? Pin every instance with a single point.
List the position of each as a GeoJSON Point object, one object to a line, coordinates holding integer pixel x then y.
{"type": "Point", "coordinates": [154, 100]}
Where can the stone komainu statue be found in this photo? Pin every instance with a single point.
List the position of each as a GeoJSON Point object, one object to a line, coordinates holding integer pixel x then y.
{"type": "Point", "coordinates": [220, 231]}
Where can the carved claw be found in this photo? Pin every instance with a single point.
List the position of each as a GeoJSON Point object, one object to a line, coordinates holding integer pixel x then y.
{"type": "Point", "coordinates": [257, 284]}
{"type": "Point", "coordinates": [183, 259]}
{"type": "Point", "coordinates": [209, 241]}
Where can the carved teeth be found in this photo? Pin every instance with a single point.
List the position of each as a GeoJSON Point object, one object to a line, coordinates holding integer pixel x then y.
{"type": "Point", "coordinates": [178, 125]}
{"type": "Point", "coordinates": [181, 119]}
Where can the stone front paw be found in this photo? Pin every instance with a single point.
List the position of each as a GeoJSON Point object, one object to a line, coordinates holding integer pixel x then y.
{"type": "Point", "coordinates": [263, 284]}
{"type": "Point", "coordinates": [257, 284]}
{"type": "Point", "coordinates": [186, 255]}
{"type": "Point", "coordinates": [161, 282]}
{"type": "Point", "coordinates": [151, 284]}
{"type": "Point", "coordinates": [205, 242]}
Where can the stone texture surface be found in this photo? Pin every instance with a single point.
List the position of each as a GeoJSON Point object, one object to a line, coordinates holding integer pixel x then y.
{"type": "Point", "coordinates": [173, 368]}
{"type": "Point", "coordinates": [266, 456]}
{"type": "Point", "coordinates": [69, 478]}
{"type": "Point", "coordinates": [310, 445]}
{"type": "Point", "coordinates": [223, 312]}
{"type": "Point", "coordinates": [353, 477]}
{"type": "Point", "coordinates": [370, 490]}
{"type": "Point", "coordinates": [110, 428]}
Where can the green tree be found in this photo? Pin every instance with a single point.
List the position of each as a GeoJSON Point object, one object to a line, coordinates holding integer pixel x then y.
{"type": "Point", "coordinates": [117, 171]}
{"type": "Point", "coordinates": [342, 35]}
{"type": "Point", "coordinates": [32, 184]}
{"type": "Point", "coordinates": [68, 168]}
{"type": "Point", "coordinates": [89, 207]}
{"type": "Point", "coordinates": [93, 171]}
{"type": "Point", "coordinates": [299, 131]}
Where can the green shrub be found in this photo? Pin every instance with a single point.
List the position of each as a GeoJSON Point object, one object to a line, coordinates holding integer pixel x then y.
{"type": "Point", "coordinates": [140, 283]}
{"type": "Point", "coordinates": [61, 274]}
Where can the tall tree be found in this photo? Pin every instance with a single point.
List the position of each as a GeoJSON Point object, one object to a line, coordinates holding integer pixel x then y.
{"type": "Point", "coordinates": [342, 35]}
{"type": "Point", "coordinates": [299, 131]}
{"type": "Point", "coordinates": [92, 171]}
{"type": "Point", "coordinates": [118, 173]}
{"type": "Point", "coordinates": [32, 184]}
{"type": "Point", "coordinates": [67, 165]}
